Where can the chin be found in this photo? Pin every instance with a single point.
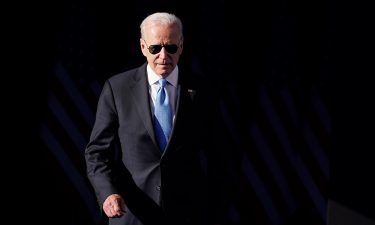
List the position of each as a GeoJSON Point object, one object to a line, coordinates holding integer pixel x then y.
{"type": "Point", "coordinates": [164, 71]}
{"type": "Point", "coordinates": [163, 74]}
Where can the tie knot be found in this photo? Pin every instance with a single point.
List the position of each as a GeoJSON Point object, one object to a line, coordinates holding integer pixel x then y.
{"type": "Point", "coordinates": [162, 83]}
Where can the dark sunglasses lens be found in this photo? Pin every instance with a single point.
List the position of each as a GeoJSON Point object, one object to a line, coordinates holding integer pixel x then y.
{"type": "Point", "coordinates": [171, 48]}
{"type": "Point", "coordinates": [154, 49]}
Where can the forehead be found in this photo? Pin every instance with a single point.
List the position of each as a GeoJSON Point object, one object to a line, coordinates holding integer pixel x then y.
{"type": "Point", "coordinates": [162, 32]}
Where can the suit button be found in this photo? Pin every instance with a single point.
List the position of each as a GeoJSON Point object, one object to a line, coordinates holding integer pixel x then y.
{"type": "Point", "coordinates": [158, 187]}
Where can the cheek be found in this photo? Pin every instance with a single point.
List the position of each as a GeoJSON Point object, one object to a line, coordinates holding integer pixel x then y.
{"type": "Point", "coordinates": [151, 58]}
{"type": "Point", "coordinates": [176, 57]}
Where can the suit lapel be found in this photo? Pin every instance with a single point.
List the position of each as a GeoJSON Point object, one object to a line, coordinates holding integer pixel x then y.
{"type": "Point", "coordinates": [141, 100]}
{"type": "Point", "coordinates": [178, 102]}
{"type": "Point", "coordinates": [182, 118]}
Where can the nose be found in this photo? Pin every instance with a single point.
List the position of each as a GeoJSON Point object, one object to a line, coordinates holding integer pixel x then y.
{"type": "Point", "coordinates": [163, 52]}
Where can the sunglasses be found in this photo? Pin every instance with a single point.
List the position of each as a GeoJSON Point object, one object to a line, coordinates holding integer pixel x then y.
{"type": "Point", "coordinates": [154, 49]}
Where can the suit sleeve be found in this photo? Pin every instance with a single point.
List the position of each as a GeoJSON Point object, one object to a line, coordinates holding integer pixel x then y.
{"type": "Point", "coordinates": [99, 152]}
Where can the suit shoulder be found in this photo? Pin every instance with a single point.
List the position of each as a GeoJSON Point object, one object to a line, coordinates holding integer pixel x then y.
{"type": "Point", "coordinates": [122, 76]}
{"type": "Point", "coordinates": [131, 74]}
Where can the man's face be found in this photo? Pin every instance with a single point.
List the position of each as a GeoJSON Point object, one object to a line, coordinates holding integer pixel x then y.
{"type": "Point", "coordinates": [162, 62]}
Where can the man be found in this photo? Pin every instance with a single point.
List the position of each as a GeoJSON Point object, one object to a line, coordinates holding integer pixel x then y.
{"type": "Point", "coordinates": [145, 182]}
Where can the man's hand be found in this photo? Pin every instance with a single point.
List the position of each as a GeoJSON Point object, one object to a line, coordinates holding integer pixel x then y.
{"type": "Point", "coordinates": [114, 206]}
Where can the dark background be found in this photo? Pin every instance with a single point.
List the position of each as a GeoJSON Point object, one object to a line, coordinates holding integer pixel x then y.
{"type": "Point", "coordinates": [298, 113]}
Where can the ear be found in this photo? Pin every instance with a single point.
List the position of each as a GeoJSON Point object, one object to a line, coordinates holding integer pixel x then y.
{"type": "Point", "coordinates": [143, 46]}
{"type": "Point", "coordinates": [181, 48]}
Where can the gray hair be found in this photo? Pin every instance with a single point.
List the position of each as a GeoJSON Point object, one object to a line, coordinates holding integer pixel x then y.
{"type": "Point", "coordinates": [161, 18]}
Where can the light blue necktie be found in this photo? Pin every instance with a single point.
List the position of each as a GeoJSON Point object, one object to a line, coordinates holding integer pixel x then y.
{"type": "Point", "coordinates": [163, 115]}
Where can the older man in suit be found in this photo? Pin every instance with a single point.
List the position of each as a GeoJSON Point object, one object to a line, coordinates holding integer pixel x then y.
{"type": "Point", "coordinates": [136, 180]}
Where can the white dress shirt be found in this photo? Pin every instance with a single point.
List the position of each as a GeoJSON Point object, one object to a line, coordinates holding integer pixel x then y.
{"type": "Point", "coordinates": [171, 87]}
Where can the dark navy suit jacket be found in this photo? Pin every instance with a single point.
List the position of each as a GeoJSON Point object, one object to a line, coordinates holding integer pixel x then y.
{"type": "Point", "coordinates": [159, 188]}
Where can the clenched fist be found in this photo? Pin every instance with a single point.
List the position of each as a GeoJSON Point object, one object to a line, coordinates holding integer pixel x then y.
{"type": "Point", "coordinates": [114, 206]}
